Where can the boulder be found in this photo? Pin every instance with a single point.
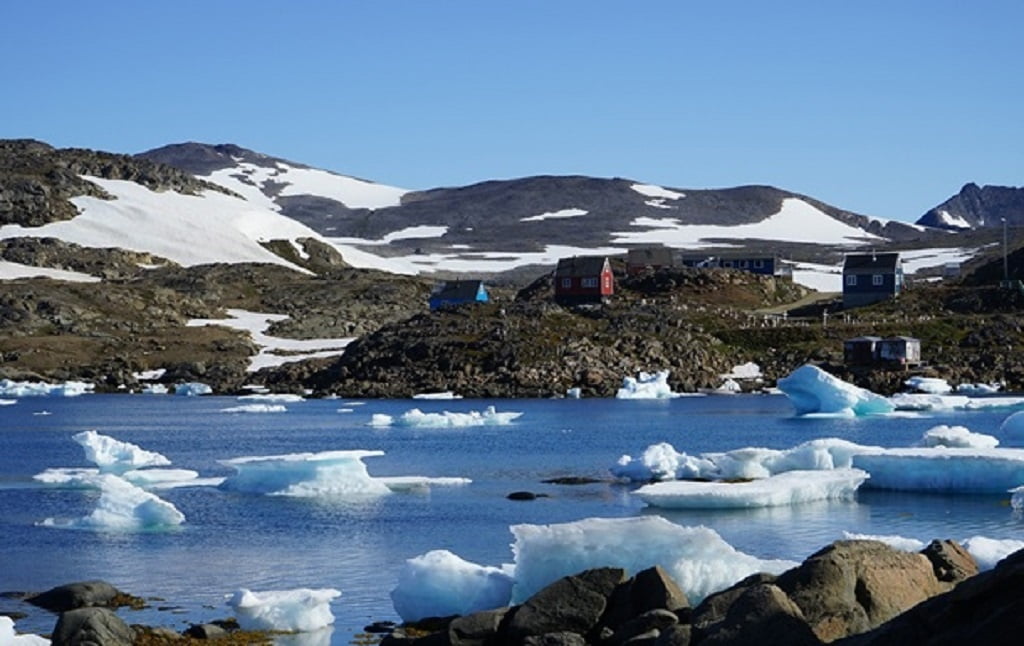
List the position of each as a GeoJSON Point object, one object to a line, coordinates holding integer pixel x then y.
{"type": "Point", "coordinates": [555, 639]}
{"type": "Point", "coordinates": [762, 614]}
{"type": "Point", "coordinates": [678, 635]}
{"type": "Point", "coordinates": [477, 628]}
{"type": "Point", "coordinates": [642, 626]}
{"type": "Point", "coordinates": [951, 562]}
{"type": "Point", "coordinates": [853, 586]}
{"type": "Point", "coordinates": [571, 604]}
{"type": "Point", "coordinates": [91, 627]}
{"type": "Point", "coordinates": [649, 589]}
{"type": "Point", "coordinates": [76, 595]}
{"type": "Point", "coordinates": [714, 607]}
{"type": "Point", "coordinates": [205, 631]}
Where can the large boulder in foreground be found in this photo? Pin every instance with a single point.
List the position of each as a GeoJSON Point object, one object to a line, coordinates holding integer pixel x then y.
{"type": "Point", "coordinates": [853, 586]}
{"type": "Point", "coordinates": [92, 627]}
{"type": "Point", "coordinates": [571, 604]}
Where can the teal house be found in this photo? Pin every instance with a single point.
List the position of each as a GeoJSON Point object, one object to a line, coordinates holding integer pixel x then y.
{"type": "Point", "coordinates": [458, 292]}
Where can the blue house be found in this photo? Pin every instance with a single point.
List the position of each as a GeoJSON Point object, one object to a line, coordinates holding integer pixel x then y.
{"type": "Point", "coordinates": [871, 277]}
{"type": "Point", "coordinates": [458, 292]}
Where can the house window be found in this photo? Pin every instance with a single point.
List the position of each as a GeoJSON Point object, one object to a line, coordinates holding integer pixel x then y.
{"type": "Point", "coordinates": [590, 283]}
{"type": "Point", "coordinates": [758, 264]}
{"type": "Point", "coordinates": [727, 264]}
{"type": "Point", "coordinates": [744, 264]}
{"type": "Point", "coordinates": [567, 283]}
{"type": "Point", "coordinates": [851, 280]}
{"type": "Point", "coordinates": [877, 280]}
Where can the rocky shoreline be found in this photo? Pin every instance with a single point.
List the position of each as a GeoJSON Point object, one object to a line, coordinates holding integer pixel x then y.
{"type": "Point", "coordinates": [852, 593]}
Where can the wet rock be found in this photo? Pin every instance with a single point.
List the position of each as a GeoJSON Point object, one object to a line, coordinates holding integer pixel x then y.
{"type": "Point", "coordinates": [92, 627]}
{"type": "Point", "coordinates": [76, 595]}
{"type": "Point", "coordinates": [571, 604]}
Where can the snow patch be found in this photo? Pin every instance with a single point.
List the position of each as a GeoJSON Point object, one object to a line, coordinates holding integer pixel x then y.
{"type": "Point", "coordinates": [555, 215]}
{"type": "Point", "coordinates": [9, 638]}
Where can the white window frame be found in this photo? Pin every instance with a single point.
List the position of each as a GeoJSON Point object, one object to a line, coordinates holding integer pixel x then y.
{"type": "Point", "coordinates": [877, 280]}
{"type": "Point", "coordinates": [758, 264]}
{"type": "Point", "coordinates": [851, 280]}
{"type": "Point", "coordinates": [590, 283]}
{"type": "Point", "coordinates": [567, 283]}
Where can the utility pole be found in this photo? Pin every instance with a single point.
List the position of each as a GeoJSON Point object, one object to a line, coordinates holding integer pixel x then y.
{"type": "Point", "coordinates": [1006, 261]}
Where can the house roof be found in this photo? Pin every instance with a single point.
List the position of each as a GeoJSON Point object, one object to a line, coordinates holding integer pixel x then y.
{"type": "Point", "coordinates": [580, 266]}
{"type": "Point", "coordinates": [871, 262]}
{"type": "Point", "coordinates": [651, 256]}
{"type": "Point", "coordinates": [457, 290]}
{"type": "Point", "coordinates": [864, 339]}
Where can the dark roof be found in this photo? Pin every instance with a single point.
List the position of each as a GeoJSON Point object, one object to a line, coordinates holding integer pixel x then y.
{"type": "Point", "coordinates": [871, 262]}
{"type": "Point", "coordinates": [864, 339]}
{"type": "Point", "coordinates": [580, 266]}
{"type": "Point", "coordinates": [906, 339]}
{"type": "Point", "coordinates": [651, 256]}
{"type": "Point", "coordinates": [457, 290]}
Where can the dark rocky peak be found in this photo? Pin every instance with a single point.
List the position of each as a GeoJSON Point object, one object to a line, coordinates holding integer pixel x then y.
{"type": "Point", "coordinates": [202, 159]}
{"type": "Point", "coordinates": [978, 207]}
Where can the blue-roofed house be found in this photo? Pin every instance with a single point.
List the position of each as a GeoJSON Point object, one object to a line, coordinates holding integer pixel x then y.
{"type": "Point", "coordinates": [458, 292]}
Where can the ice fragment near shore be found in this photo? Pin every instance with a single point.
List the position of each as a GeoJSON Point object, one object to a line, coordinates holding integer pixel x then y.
{"type": "Point", "coordinates": [192, 389]}
{"type": "Point", "coordinates": [989, 551]}
{"type": "Point", "coordinates": [10, 388]}
{"type": "Point", "coordinates": [255, 408]}
{"type": "Point", "coordinates": [440, 584]}
{"type": "Point", "coordinates": [445, 419]}
{"type": "Point", "coordinates": [1017, 498]}
{"type": "Point", "coordinates": [115, 456]}
{"type": "Point", "coordinates": [957, 437]}
{"type": "Point", "coordinates": [329, 473]}
{"type": "Point", "coordinates": [302, 609]}
{"type": "Point", "coordinates": [788, 488]}
{"type": "Point", "coordinates": [812, 390]}
{"type": "Point", "coordinates": [9, 638]}
{"type": "Point", "coordinates": [124, 507]}
{"type": "Point", "coordinates": [929, 385]}
{"type": "Point", "coordinates": [653, 385]}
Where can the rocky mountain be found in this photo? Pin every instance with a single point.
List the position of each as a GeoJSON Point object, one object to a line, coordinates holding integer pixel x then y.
{"type": "Point", "coordinates": [976, 207]}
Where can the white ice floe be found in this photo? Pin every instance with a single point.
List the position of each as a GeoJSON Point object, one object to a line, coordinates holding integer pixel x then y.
{"type": "Point", "coordinates": [573, 393]}
{"type": "Point", "coordinates": [150, 375]}
{"type": "Point", "coordinates": [440, 584]}
{"type": "Point", "coordinates": [284, 398]}
{"type": "Point", "coordinates": [1012, 429]}
{"type": "Point", "coordinates": [125, 507]}
{"type": "Point", "coordinates": [749, 370]}
{"type": "Point", "coordinates": [646, 385]}
{"type": "Point", "coordinates": [788, 488]}
{"type": "Point", "coordinates": [420, 483]}
{"type": "Point", "coordinates": [10, 638]}
{"type": "Point", "coordinates": [974, 390]}
{"type": "Point", "coordinates": [114, 456]}
{"type": "Point", "coordinates": [942, 469]}
{"type": "Point", "coordinates": [921, 402]}
{"type": "Point", "coordinates": [929, 385]}
{"type": "Point", "coordinates": [192, 389]}
{"type": "Point", "coordinates": [8, 402]}
{"type": "Point", "coordinates": [699, 560]}
{"type": "Point", "coordinates": [989, 551]}
{"type": "Point", "coordinates": [812, 390]}
{"type": "Point", "coordinates": [894, 541]}
{"type": "Point", "coordinates": [255, 408]}
{"type": "Point", "coordinates": [298, 610]}
{"type": "Point", "coordinates": [959, 437]}
{"type": "Point", "coordinates": [445, 395]}
{"type": "Point", "coordinates": [155, 389]}
{"type": "Point", "coordinates": [445, 419]}
{"type": "Point", "coordinates": [9, 388]}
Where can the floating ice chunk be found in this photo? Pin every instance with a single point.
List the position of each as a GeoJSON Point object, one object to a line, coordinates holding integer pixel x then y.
{"type": "Point", "coordinates": [646, 386]}
{"type": "Point", "coordinates": [944, 469]}
{"type": "Point", "coordinates": [893, 541]}
{"type": "Point", "coordinates": [699, 560]}
{"type": "Point", "coordinates": [150, 375]}
{"type": "Point", "coordinates": [789, 488]}
{"type": "Point", "coordinates": [1017, 499]}
{"type": "Point", "coordinates": [330, 473]}
{"type": "Point", "coordinates": [115, 456]}
{"type": "Point", "coordinates": [661, 462]}
{"type": "Point", "coordinates": [255, 408]}
{"type": "Point", "coordinates": [442, 395]}
{"type": "Point", "coordinates": [749, 370]}
{"type": "Point", "coordinates": [284, 398]}
{"type": "Point", "coordinates": [302, 609]}
{"type": "Point", "coordinates": [957, 437]}
{"type": "Point", "coordinates": [10, 388]}
{"type": "Point", "coordinates": [192, 389]}
{"type": "Point", "coordinates": [974, 390]}
{"type": "Point", "coordinates": [9, 638]}
{"type": "Point", "coordinates": [417, 418]}
{"type": "Point", "coordinates": [154, 389]}
{"type": "Point", "coordinates": [989, 551]}
{"type": "Point", "coordinates": [1012, 429]}
{"type": "Point", "coordinates": [812, 390]}
{"type": "Point", "coordinates": [929, 385]}
{"type": "Point", "coordinates": [915, 401]}
{"type": "Point", "coordinates": [124, 507]}
{"type": "Point", "coordinates": [573, 393]}
{"type": "Point", "coordinates": [440, 584]}
{"type": "Point", "coordinates": [75, 478]}
{"type": "Point", "coordinates": [419, 483]}
{"type": "Point", "coordinates": [8, 402]}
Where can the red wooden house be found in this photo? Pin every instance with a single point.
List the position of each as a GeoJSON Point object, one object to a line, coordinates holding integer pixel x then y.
{"type": "Point", "coordinates": [583, 279]}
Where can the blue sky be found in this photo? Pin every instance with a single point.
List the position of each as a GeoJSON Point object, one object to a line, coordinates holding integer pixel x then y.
{"type": "Point", "coordinates": [882, 108]}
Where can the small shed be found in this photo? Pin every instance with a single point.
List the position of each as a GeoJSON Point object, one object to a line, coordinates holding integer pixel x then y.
{"type": "Point", "coordinates": [902, 350]}
{"type": "Point", "coordinates": [583, 279]}
{"type": "Point", "coordinates": [458, 292]}
{"type": "Point", "coordinates": [638, 260]}
{"type": "Point", "coordinates": [861, 351]}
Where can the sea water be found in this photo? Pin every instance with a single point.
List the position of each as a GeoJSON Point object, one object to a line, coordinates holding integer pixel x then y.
{"type": "Point", "coordinates": [233, 540]}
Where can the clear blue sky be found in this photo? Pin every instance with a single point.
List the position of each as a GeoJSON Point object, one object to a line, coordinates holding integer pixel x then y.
{"type": "Point", "coordinates": [881, 107]}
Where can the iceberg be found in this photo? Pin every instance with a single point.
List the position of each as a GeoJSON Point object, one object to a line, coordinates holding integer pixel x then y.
{"type": "Point", "coordinates": [812, 390]}
{"type": "Point", "coordinates": [437, 396]}
{"type": "Point", "coordinates": [299, 610]}
{"type": "Point", "coordinates": [192, 389]}
{"type": "Point", "coordinates": [699, 560]}
{"type": "Point", "coordinates": [115, 456]}
{"type": "Point", "coordinates": [788, 488]}
{"type": "Point", "coordinates": [329, 473]}
{"type": "Point", "coordinates": [445, 419]}
{"type": "Point", "coordinates": [1012, 429]}
{"type": "Point", "coordinates": [76, 478]}
{"type": "Point", "coordinates": [945, 470]}
{"type": "Point", "coordinates": [440, 584]}
{"type": "Point", "coordinates": [661, 462]}
{"type": "Point", "coordinates": [9, 638]}
{"type": "Point", "coordinates": [749, 370]}
{"type": "Point", "coordinates": [255, 408]}
{"type": "Point", "coordinates": [929, 385]}
{"type": "Point", "coordinates": [959, 437]}
{"type": "Point", "coordinates": [646, 386]}
{"type": "Point", "coordinates": [154, 389]}
{"type": "Point", "coordinates": [989, 551]}
{"type": "Point", "coordinates": [10, 388]}
{"type": "Point", "coordinates": [124, 507]}
{"type": "Point", "coordinates": [284, 398]}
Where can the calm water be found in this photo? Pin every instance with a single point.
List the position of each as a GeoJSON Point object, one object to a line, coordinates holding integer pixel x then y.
{"type": "Point", "coordinates": [234, 540]}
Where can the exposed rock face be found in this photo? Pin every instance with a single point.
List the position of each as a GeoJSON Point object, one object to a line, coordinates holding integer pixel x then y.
{"type": "Point", "coordinates": [572, 604]}
{"type": "Point", "coordinates": [92, 627]}
{"type": "Point", "coordinates": [762, 614]}
{"type": "Point", "coordinates": [978, 207]}
{"type": "Point", "coordinates": [57, 254]}
{"type": "Point", "coordinates": [950, 561]}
